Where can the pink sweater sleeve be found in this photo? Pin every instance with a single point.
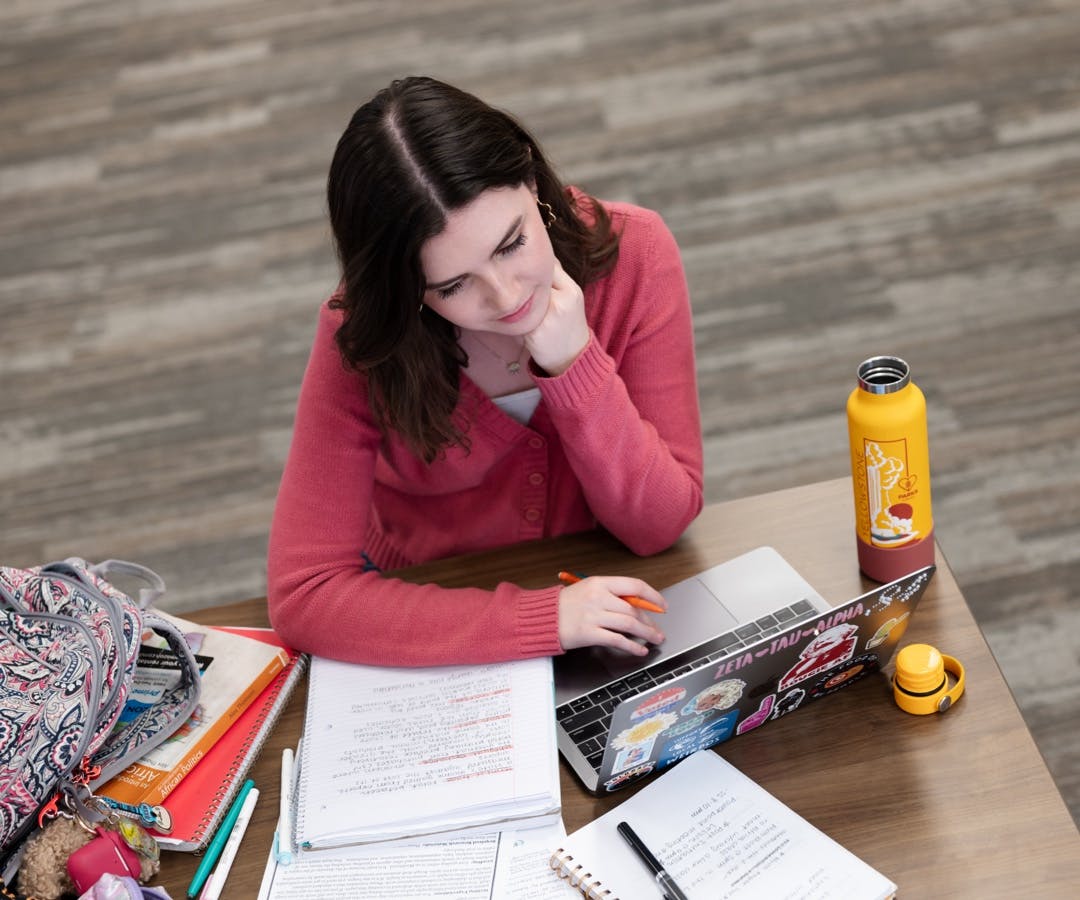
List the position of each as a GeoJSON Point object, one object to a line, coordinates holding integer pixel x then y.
{"type": "Point", "coordinates": [632, 430]}
{"type": "Point", "coordinates": [320, 598]}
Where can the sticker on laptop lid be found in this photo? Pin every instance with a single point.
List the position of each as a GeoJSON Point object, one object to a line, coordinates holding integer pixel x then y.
{"type": "Point", "coordinates": [645, 731]}
{"type": "Point", "coordinates": [719, 696]}
{"type": "Point", "coordinates": [846, 674]}
{"type": "Point", "coordinates": [902, 592]}
{"type": "Point", "coordinates": [632, 756]}
{"type": "Point", "coordinates": [760, 717]}
{"type": "Point", "coordinates": [662, 701]}
{"type": "Point", "coordinates": [686, 725]}
{"type": "Point", "coordinates": [885, 631]}
{"type": "Point", "coordinates": [790, 702]}
{"type": "Point", "coordinates": [831, 647]}
{"type": "Point", "coordinates": [629, 775]}
{"type": "Point", "coordinates": [715, 732]}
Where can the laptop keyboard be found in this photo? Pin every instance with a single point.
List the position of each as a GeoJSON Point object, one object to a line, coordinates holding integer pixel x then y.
{"type": "Point", "coordinates": [587, 719]}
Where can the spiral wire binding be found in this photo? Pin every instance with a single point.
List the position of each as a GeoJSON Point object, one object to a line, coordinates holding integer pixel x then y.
{"type": "Point", "coordinates": [577, 876]}
{"type": "Point", "coordinates": [248, 751]}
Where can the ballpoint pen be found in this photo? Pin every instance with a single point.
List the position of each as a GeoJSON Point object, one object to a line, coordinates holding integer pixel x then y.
{"type": "Point", "coordinates": [665, 882]}
{"type": "Point", "coordinates": [639, 602]}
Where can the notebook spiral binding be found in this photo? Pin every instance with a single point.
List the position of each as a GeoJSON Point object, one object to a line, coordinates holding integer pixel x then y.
{"type": "Point", "coordinates": [241, 763]}
{"type": "Point", "coordinates": [231, 784]}
{"type": "Point", "coordinates": [577, 876]}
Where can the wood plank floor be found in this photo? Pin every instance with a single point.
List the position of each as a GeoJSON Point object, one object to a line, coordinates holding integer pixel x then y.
{"type": "Point", "coordinates": [845, 177]}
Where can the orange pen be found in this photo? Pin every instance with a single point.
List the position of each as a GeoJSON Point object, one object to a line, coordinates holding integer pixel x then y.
{"type": "Point", "coordinates": [639, 602]}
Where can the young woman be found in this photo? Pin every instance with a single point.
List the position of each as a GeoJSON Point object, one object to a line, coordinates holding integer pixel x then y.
{"type": "Point", "coordinates": [505, 359]}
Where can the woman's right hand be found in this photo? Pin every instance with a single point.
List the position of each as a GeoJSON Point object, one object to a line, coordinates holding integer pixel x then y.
{"type": "Point", "coordinates": [563, 333]}
{"type": "Point", "coordinates": [593, 613]}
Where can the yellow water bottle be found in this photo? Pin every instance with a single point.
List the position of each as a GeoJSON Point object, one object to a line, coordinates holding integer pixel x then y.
{"type": "Point", "coordinates": [890, 470]}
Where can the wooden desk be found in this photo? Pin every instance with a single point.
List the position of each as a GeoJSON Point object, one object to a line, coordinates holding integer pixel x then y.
{"type": "Point", "coordinates": [953, 805]}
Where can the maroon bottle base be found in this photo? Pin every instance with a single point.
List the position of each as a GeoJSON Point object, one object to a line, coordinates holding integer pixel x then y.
{"type": "Point", "coordinates": [887, 565]}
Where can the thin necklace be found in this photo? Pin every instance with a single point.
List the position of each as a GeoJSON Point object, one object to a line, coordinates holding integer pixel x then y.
{"type": "Point", "coordinates": [513, 366]}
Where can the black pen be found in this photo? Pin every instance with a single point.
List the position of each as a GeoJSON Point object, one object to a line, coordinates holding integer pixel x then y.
{"type": "Point", "coordinates": [667, 884]}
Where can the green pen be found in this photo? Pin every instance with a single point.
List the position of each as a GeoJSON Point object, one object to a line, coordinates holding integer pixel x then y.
{"type": "Point", "coordinates": [218, 843]}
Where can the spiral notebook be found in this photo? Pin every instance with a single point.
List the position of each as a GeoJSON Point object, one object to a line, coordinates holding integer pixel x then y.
{"type": "Point", "coordinates": [718, 834]}
{"type": "Point", "coordinates": [399, 753]}
{"type": "Point", "coordinates": [201, 800]}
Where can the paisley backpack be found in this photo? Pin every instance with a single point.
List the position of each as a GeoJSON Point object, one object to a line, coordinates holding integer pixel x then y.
{"type": "Point", "coordinates": [69, 643]}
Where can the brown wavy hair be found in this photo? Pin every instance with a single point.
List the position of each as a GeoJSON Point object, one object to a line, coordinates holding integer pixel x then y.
{"type": "Point", "coordinates": [416, 152]}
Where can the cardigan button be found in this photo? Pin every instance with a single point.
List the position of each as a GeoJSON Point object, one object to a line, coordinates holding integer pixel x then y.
{"type": "Point", "coordinates": [536, 442]}
{"type": "Point", "coordinates": [532, 514]}
{"type": "Point", "coordinates": [536, 478]}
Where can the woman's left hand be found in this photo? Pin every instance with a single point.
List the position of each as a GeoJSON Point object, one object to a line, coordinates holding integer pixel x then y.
{"type": "Point", "coordinates": [563, 332]}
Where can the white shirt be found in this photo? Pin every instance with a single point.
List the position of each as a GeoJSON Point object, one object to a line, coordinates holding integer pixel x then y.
{"type": "Point", "coordinates": [519, 406]}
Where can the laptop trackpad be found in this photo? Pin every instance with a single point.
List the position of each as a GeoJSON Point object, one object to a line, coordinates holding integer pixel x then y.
{"type": "Point", "coordinates": [711, 603]}
{"type": "Point", "coordinates": [699, 616]}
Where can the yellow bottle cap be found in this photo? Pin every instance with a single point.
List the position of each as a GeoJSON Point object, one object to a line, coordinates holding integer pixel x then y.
{"type": "Point", "coordinates": [920, 668]}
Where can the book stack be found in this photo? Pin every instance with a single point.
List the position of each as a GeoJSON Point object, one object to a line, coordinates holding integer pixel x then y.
{"type": "Point", "coordinates": [248, 675]}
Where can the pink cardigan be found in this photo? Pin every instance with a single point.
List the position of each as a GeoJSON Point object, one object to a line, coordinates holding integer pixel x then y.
{"type": "Point", "coordinates": [615, 442]}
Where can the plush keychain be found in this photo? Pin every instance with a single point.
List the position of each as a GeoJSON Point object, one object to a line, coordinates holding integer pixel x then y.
{"type": "Point", "coordinates": [67, 858]}
{"type": "Point", "coordinates": [42, 872]}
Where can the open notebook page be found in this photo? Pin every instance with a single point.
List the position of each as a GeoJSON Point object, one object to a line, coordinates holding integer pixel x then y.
{"type": "Point", "coordinates": [721, 836]}
{"type": "Point", "coordinates": [512, 865]}
{"type": "Point", "coordinates": [398, 753]}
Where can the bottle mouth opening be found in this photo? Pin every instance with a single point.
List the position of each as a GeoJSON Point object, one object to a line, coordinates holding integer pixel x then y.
{"type": "Point", "coordinates": [884, 374]}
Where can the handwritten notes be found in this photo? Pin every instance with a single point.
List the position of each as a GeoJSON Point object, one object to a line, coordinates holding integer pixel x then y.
{"type": "Point", "coordinates": [455, 747]}
{"type": "Point", "coordinates": [720, 836]}
{"type": "Point", "coordinates": [729, 842]}
{"type": "Point", "coordinates": [390, 728]}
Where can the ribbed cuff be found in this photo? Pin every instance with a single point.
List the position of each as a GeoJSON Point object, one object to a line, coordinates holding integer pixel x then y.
{"type": "Point", "coordinates": [578, 386]}
{"type": "Point", "coordinates": [384, 554]}
{"type": "Point", "coordinates": [538, 622]}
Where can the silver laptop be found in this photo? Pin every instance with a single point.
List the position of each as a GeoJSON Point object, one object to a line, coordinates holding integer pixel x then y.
{"type": "Point", "coordinates": [747, 641]}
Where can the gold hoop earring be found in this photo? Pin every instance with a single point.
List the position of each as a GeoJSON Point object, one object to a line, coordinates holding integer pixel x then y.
{"type": "Point", "coordinates": [547, 213]}
{"type": "Point", "coordinates": [420, 309]}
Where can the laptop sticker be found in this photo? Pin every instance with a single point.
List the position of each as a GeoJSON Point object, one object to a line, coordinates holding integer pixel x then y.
{"type": "Point", "coordinates": [715, 732]}
{"type": "Point", "coordinates": [729, 666]}
{"type": "Point", "coordinates": [686, 725]}
{"type": "Point", "coordinates": [760, 717]}
{"type": "Point", "coordinates": [828, 649]}
{"type": "Point", "coordinates": [790, 702]}
{"type": "Point", "coordinates": [845, 674]}
{"type": "Point", "coordinates": [903, 591]}
{"type": "Point", "coordinates": [644, 734]}
{"type": "Point", "coordinates": [723, 695]}
{"type": "Point", "coordinates": [663, 701]}
{"type": "Point", "coordinates": [631, 756]}
{"type": "Point", "coordinates": [885, 631]}
{"type": "Point", "coordinates": [629, 775]}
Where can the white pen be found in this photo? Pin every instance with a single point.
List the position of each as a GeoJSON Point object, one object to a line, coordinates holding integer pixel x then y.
{"type": "Point", "coordinates": [216, 881]}
{"type": "Point", "coordinates": [283, 835]}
